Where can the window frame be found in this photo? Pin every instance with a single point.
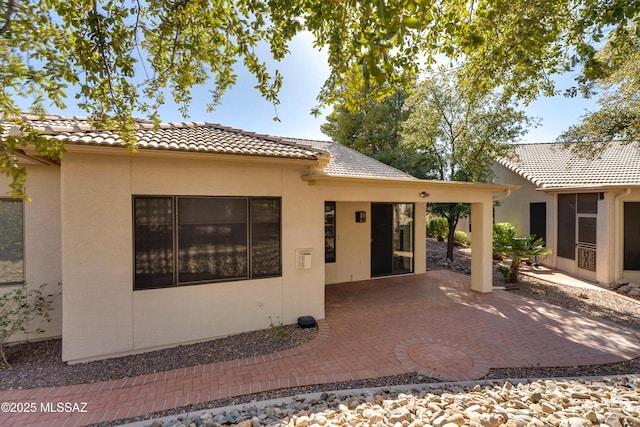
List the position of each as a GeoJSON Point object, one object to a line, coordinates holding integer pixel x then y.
{"type": "Point", "coordinates": [22, 232]}
{"type": "Point", "coordinates": [250, 229]}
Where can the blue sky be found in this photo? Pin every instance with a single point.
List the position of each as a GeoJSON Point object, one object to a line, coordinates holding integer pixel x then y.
{"type": "Point", "coordinates": [304, 72]}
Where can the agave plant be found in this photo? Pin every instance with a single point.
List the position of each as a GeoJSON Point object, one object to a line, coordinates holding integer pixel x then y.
{"type": "Point", "coordinates": [518, 248]}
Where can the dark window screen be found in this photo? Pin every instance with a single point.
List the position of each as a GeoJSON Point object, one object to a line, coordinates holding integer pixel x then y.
{"type": "Point", "coordinates": [538, 220]}
{"type": "Point", "coordinates": [588, 203]}
{"type": "Point", "coordinates": [632, 236]}
{"type": "Point", "coordinates": [183, 240]}
{"type": "Point", "coordinates": [11, 241]}
{"type": "Point", "coordinates": [265, 237]}
{"type": "Point", "coordinates": [567, 226]}
{"type": "Point", "coordinates": [212, 239]}
{"type": "Point", "coordinates": [587, 230]}
{"type": "Point", "coordinates": [153, 227]}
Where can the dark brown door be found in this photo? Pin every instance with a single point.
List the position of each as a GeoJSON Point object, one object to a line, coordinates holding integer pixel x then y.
{"type": "Point", "coordinates": [381, 239]}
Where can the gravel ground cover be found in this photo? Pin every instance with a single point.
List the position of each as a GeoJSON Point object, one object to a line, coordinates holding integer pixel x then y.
{"type": "Point", "coordinates": [570, 403]}
{"type": "Point", "coordinates": [38, 365]}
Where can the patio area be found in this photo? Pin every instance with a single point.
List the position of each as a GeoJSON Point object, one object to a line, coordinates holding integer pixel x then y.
{"type": "Point", "coordinates": [430, 324]}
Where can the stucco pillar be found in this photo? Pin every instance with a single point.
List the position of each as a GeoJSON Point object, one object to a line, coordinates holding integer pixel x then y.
{"type": "Point", "coordinates": [481, 254]}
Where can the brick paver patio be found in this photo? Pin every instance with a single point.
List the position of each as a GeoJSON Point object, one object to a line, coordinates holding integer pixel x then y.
{"type": "Point", "coordinates": [431, 324]}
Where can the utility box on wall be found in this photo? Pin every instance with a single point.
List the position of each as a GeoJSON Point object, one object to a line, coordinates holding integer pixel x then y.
{"type": "Point", "coordinates": [303, 259]}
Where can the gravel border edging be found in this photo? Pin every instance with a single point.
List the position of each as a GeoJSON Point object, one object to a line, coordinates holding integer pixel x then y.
{"type": "Point", "coordinates": [454, 386]}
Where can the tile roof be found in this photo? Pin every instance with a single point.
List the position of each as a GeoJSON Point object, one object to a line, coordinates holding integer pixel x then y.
{"type": "Point", "coordinates": [214, 138]}
{"type": "Point", "coordinates": [347, 162]}
{"type": "Point", "coordinates": [553, 166]}
{"type": "Point", "coordinates": [191, 137]}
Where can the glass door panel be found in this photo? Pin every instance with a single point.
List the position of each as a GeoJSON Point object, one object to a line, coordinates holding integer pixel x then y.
{"type": "Point", "coordinates": [402, 238]}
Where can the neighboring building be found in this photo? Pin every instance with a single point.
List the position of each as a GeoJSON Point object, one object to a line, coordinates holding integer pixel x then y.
{"type": "Point", "coordinates": [587, 210]}
{"type": "Point", "coordinates": [208, 231]}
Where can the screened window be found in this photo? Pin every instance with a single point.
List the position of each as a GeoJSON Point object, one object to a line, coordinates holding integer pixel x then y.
{"type": "Point", "coordinates": [186, 240]}
{"type": "Point", "coordinates": [538, 220]}
{"type": "Point", "coordinates": [11, 242]}
{"type": "Point", "coordinates": [567, 226]}
{"type": "Point", "coordinates": [632, 236]}
{"type": "Point", "coordinates": [588, 203]}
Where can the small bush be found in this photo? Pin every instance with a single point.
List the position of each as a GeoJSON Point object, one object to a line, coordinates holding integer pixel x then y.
{"type": "Point", "coordinates": [504, 272]}
{"type": "Point", "coordinates": [439, 228]}
{"type": "Point", "coordinates": [503, 233]}
{"type": "Point", "coordinates": [18, 307]}
{"type": "Point", "coordinates": [461, 237]}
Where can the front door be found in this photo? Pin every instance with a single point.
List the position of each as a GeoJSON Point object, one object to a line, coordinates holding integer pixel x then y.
{"type": "Point", "coordinates": [391, 238]}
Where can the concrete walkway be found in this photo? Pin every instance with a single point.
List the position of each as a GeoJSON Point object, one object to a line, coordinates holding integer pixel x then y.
{"type": "Point", "coordinates": [431, 324]}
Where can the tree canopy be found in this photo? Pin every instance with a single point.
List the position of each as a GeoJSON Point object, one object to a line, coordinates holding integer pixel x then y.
{"type": "Point", "coordinates": [618, 116]}
{"type": "Point", "coordinates": [373, 127]}
{"type": "Point", "coordinates": [462, 133]}
{"type": "Point", "coordinates": [122, 58]}
{"type": "Point", "coordinates": [442, 130]}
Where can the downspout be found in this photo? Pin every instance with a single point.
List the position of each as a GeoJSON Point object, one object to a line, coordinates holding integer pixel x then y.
{"type": "Point", "coordinates": [501, 196]}
{"type": "Point", "coordinates": [619, 268]}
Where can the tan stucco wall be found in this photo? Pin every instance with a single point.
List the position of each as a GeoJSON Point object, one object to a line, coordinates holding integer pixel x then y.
{"type": "Point", "coordinates": [42, 264]}
{"type": "Point", "coordinates": [103, 315]}
{"type": "Point", "coordinates": [353, 244]}
{"type": "Point", "coordinates": [515, 209]}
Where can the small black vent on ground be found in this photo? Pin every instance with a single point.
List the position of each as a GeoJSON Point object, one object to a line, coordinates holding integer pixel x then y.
{"type": "Point", "coordinates": [306, 322]}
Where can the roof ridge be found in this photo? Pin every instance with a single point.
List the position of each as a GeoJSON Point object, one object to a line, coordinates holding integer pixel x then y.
{"type": "Point", "coordinates": [309, 140]}
{"type": "Point", "coordinates": [144, 124]}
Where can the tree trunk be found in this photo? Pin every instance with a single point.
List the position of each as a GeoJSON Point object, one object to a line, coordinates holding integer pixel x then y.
{"type": "Point", "coordinates": [450, 239]}
{"type": "Point", "coordinates": [515, 270]}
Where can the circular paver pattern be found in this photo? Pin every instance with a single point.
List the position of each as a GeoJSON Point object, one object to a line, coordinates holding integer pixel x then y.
{"type": "Point", "coordinates": [440, 359]}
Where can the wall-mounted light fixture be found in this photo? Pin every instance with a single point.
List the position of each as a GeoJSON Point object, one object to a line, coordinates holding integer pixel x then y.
{"type": "Point", "coordinates": [424, 195]}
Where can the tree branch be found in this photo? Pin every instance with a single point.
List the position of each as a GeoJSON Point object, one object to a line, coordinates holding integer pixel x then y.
{"type": "Point", "coordinates": [7, 21]}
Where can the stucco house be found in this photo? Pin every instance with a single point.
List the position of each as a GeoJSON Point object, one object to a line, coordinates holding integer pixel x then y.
{"type": "Point", "coordinates": [207, 231]}
{"type": "Point", "coordinates": [587, 210]}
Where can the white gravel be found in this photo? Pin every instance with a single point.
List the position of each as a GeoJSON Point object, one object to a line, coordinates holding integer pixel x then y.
{"type": "Point", "coordinates": [586, 402]}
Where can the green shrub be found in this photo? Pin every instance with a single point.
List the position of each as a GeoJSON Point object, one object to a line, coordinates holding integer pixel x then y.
{"type": "Point", "coordinates": [503, 232]}
{"type": "Point", "coordinates": [461, 237]}
{"type": "Point", "coordinates": [504, 272]}
{"type": "Point", "coordinates": [18, 307]}
{"type": "Point", "coordinates": [439, 228]}
{"type": "Point", "coordinates": [519, 248]}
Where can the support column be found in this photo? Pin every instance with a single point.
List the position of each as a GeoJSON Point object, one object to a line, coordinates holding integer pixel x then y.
{"type": "Point", "coordinates": [420, 231]}
{"type": "Point", "coordinates": [481, 253]}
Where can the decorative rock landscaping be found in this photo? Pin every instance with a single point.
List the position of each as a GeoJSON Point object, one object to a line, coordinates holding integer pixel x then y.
{"type": "Point", "coordinates": [629, 289]}
{"type": "Point", "coordinates": [612, 402]}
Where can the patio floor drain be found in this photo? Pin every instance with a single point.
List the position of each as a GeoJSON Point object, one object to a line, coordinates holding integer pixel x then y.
{"type": "Point", "coordinates": [440, 360]}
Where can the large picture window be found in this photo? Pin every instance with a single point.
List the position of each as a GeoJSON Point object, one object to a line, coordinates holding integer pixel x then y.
{"type": "Point", "coordinates": [11, 242]}
{"type": "Point", "coordinates": [187, 240]}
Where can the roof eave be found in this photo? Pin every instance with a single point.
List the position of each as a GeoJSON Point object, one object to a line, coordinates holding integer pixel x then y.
{"type": "Point", "coordinates": [119, 150]}
{"type": "Point", "coordinates": [318, 179]}
{"type": "Point", "coordinates": [588, 188]}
